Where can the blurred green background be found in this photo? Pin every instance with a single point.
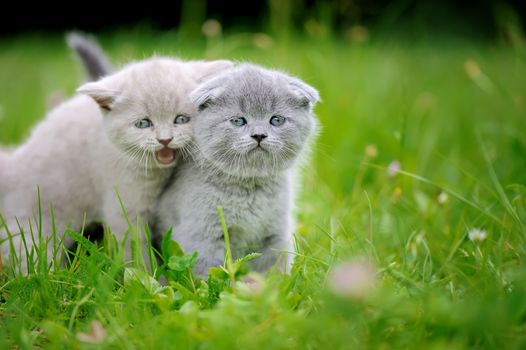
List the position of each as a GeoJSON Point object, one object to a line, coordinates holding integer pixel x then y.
{"type": "Point", "coordinates": [423, 143]}
{"type": "Point", "coordinates": [422, 83]}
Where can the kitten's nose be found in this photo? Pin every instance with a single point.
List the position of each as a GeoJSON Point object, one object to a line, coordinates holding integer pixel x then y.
{"type": "Point", "coordinates": [259, 137]}
{"type": "Point", "coordinates": [165, 142]}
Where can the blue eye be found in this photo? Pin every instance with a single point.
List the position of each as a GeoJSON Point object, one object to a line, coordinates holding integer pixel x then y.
{"type": "Point", "coordinates": [181, 119]}
{"type": "Point", "coordinates": [277, 120]}
{"type": "Point", "coordinates": [238, 121]}
{"type": "Point", "coordinates": [143, 123]}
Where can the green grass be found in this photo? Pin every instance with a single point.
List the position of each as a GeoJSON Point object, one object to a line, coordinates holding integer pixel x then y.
{"type": "Point", "coordinates": [452, 113]}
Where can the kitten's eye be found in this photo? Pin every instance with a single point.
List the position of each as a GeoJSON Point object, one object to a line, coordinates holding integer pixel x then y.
{"type": "Point", "coordinates": [277, 120]}
{"type": "Point", "coordinates": [238, 121]}
{"type": "Point", "coordinates": [181, 119]}
{"type": "Point", "coordinates": [144, 123]}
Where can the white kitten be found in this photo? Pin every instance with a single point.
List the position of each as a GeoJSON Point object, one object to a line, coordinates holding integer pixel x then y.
{"type": "Point", "coordinates": [252, 127]}
{"type": "Point", "coordinates": [79, 156]}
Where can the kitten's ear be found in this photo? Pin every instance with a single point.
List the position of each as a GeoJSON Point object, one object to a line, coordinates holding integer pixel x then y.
{"type": "Point", "coordinates": [204, 70]}
{"type": "Point", "coordinates": [211, 87]}
{"type": "Point", "coordinates": [100, 94]}
{"type": "Point", "coordinates": [307, 94]}
{"type": "Point", "coordinates": [207, 92]}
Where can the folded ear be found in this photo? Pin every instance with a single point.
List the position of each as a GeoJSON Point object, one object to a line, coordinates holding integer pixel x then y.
{"type": "Point", "coordinates": [204, 70]}
{"type": "Point", "coordinates": [99, 93]}
{"type": "Point", "coordinates": [308, 95]}
{"type": "Point", "coordinates": [207, 92]}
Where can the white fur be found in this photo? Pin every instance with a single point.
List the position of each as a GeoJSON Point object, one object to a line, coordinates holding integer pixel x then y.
{"type": "Point", "coordinates": [4, 165]}
{"type": "Point", "coordinates": [79, 156]}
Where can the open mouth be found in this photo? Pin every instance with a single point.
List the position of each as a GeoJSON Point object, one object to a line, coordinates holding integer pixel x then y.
{"type": "Point", "coordinates": [165, 156]}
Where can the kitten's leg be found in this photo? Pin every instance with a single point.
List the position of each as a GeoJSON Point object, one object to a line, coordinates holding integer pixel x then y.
{"type": "Point", "coordinates": [276, 251]}
{"type": "Point", "coordinates": [211, 254]}
{"type": "Point", "coordinates": [115, 219]}
{"type": "Point", "coordinates": [209, 244]}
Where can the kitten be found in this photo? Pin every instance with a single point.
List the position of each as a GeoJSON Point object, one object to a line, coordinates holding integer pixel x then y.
{"type": "Point", "coordinates": [126, 135]}
{"type": "Point", "coordinates": [253, 126]}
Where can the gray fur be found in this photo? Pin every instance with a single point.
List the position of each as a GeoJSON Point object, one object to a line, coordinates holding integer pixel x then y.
{"type": "Point", "coordinates": [90, 55]}
{"type": "Point", "coordinates": [254, 186]}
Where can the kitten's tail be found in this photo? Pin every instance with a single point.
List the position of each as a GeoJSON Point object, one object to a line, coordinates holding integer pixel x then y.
{"type": "Point", "coordinates": [90, 54]}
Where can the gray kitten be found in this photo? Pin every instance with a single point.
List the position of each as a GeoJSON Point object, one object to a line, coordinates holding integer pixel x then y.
{"type": "Point", "coordinates": [253, 126]}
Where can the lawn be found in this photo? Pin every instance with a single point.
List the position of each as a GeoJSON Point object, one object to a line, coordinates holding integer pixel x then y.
{"type": "Point", "coordinates": [411, 212]}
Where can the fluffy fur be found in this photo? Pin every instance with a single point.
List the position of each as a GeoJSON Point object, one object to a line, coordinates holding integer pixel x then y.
{"type": "Point", "coordinates": [90, 55]}
{"type": "Point", "coordinates": [4, 165]}
{"type": "Point", "coordinates": [90, 146]}
{"type": "Point", "coordinates": [254, 184]}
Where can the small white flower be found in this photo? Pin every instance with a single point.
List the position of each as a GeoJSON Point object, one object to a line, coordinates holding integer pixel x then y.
{"type": "Point", "coordinates": [477, 234]}
{"type": "Point", "coordinates": [355, 279]}
{"type": "Point", "coordinates": [393, 168]}
{"type": "Point", "coordinates": [442, 198]}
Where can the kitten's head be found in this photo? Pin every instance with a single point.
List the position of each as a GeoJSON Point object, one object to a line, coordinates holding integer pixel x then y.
{"type": "Point", "coordinates": [146, 108]}
{"type": "Point", "coordinates": [253, 122]}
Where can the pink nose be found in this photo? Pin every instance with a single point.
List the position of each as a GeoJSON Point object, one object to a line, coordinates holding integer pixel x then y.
{"type": "Point", "coordinates": [165, 142]}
